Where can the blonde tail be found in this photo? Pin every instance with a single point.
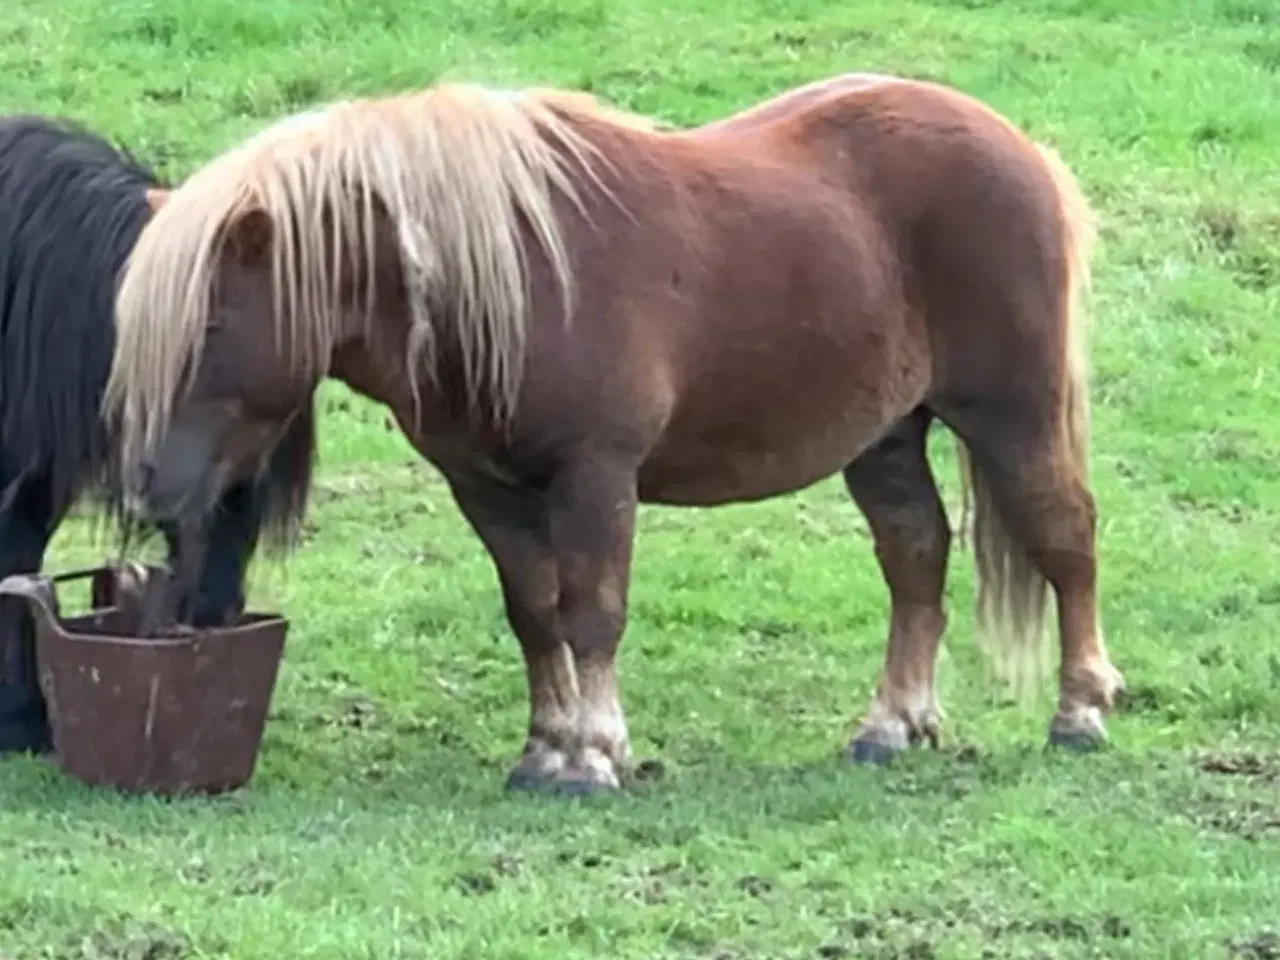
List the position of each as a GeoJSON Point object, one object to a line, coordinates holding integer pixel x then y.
{"type": "Point", "coordinates": [1012, 593]}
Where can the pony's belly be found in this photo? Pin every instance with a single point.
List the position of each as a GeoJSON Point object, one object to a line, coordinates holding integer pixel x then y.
{"type": "Point", "coordinates": [735, 481]}
{"type": "Point", "coordinates": [708, 474]}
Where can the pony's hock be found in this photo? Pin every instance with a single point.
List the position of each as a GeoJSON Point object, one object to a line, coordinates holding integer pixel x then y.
{"type": "Point", "coordinates": [181, 711]}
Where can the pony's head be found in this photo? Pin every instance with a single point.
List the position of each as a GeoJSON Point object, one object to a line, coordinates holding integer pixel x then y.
{"type": "Point", "coordinates": [238, 397]}
{"type": "Point", "coordinates": [393, 228]}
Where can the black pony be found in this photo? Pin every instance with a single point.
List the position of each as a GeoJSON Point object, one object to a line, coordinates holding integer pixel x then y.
{"type": "Point", "coordinates": [71, 208]}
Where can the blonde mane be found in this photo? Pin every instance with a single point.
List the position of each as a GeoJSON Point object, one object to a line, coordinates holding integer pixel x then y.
{"type": "Point", "coordinates": [455, 167]}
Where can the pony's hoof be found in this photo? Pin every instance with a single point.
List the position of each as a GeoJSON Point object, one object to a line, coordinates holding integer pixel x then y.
{"type": "Point", "coordinates": [566, 784]}
{"type": "Point", "coordinates": [579, 785]}
{"type": "Point", "coordinates": [523, 781]}
{"type": "Point", "coordinates": [870, 753]}
{"type": "Point", "coordinates": [1079, 729]}
{"type": "Point", "coordinates": [1077, 741]}
{"type": "Point", "coordinates": [556, 775]}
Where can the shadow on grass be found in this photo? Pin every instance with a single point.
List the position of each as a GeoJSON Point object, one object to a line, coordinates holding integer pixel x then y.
{"type": "Point", "coordinates": [454, 780]}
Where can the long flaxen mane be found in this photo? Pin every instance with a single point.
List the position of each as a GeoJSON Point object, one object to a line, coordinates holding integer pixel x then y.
{"type": "Point", "coordinates": [456, 168]}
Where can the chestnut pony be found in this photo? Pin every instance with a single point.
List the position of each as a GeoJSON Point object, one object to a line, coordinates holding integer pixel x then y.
{"type": "Point", "coordinates": [571, 310]}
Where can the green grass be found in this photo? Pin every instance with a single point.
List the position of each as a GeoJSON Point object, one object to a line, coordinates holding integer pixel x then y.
{"type": "Point", "coordinates": [376, 826]}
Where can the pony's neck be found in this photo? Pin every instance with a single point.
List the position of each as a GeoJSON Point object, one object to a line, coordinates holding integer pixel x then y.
{"type": "Point", "coordinates": [368, 372]}
{"type": "Point", "coordinates": [382, 375]}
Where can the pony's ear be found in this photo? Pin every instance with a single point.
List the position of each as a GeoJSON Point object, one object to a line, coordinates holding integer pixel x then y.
{"type": "Point", "coordinates": [156, 198]}
{"type": "Point", "coordinates": [249, 235]}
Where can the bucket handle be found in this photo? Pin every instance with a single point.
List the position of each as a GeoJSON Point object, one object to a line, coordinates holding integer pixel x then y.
{"type": "Point", "coordinates": [80, 574]}
{"type": "Point", "coordinates": [108, 581]}
{"type": "Point", "coordinates": [37, 591]}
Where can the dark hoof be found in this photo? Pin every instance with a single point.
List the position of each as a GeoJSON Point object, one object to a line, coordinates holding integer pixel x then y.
{"type": "Point", "coordinates": [577, 787]}
{"type": "Point", "coordinates": [563, 785]}
{"type": "Point", "coordinates": [1076, 741]}
{"type": "Point", "coordinates": [870, 753]}
{"type": "Point", "coordinates": [522, 781]}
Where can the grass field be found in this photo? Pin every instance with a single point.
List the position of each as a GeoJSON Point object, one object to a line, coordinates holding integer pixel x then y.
{"type": "Point", "coordinates": [377, 827]}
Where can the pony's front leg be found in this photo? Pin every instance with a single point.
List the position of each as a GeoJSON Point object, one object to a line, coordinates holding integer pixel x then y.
{"type": "Point", "coordinates": [591, 513]}
{"type": "Point", "coordinates": [564, 559]}
{"type": "Point", "coordinates": [25, 527]}
{"type": "Point", "coordinates": [512, 524]}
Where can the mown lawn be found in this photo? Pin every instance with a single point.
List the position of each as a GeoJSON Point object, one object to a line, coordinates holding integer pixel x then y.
{"type": "Point", "coordinates": [377, 827]}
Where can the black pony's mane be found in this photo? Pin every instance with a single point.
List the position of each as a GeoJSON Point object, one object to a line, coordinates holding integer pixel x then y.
{"type": "Point", "coordinates": [72, 205]}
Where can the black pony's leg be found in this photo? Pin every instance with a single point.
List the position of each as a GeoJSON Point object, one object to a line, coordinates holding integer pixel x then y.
{"type": "Point", "coordinates": [26, 526]}
{"type": "Point", "coordinates": [230, 539]}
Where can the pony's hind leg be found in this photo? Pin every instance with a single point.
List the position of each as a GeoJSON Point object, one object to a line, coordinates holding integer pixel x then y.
{"type": "Point", "coordinates": [1034, 526]}
{"type": "Point", "coordinates": [26, 525]}
{"type": "Point", "coordinates": [894, 487]}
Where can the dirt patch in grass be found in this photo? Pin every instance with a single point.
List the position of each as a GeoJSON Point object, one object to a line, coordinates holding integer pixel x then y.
{"type": "Point", "coordinates": [1256, 766]}
{"type": "Point", "coordinates": [1247, 247]}
{"type": "Point", "coordinates": [1261, 946]}
{"type": "Point", "coordinates": [1249, 810]}
{"type": "Point", "coordinates": [123, 940]}
{"type": "Point", "coordinates": [908, 934]}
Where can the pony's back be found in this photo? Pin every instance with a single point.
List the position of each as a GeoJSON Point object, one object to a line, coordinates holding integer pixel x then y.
{"type": "Point", "coordinates": [71, 208]}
